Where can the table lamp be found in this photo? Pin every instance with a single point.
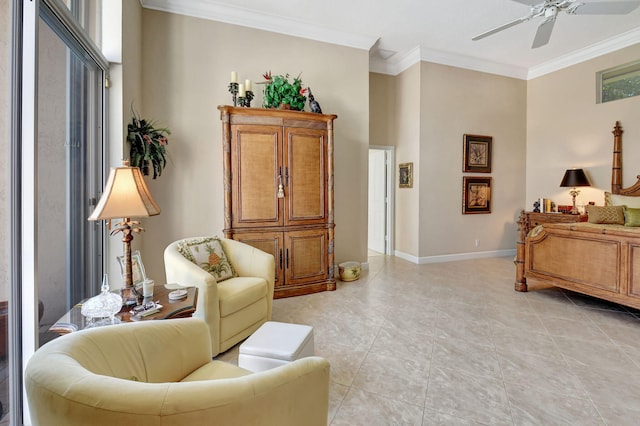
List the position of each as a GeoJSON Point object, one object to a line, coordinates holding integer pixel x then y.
{"type": "Point", "coordinates": [125, 196]}
{"type": "Point", "coordinates": [572, 179]}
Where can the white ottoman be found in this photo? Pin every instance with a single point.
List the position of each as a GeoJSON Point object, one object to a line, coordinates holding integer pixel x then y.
{"type": "Point", "coordinates": [275, 344]}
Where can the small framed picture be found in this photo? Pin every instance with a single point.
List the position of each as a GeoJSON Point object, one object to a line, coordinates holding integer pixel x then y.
{"type": "Point", "coordinates": [137, 268]}
{"type": "Point", "coordinates": [477, 154]}
{"type": "Point", "coordinates": [476, 194]}
{"type": "Point", "coordinates": [406, 175]}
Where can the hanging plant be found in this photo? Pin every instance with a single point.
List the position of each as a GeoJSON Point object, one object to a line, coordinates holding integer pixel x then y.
{"type": "Point", "coordinates": [279, 92]}
{"type": "Point", "coordinates": [148, 145]}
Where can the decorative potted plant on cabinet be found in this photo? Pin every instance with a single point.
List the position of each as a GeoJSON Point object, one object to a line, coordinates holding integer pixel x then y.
{"type": "Point", "coordinates": [279, 92]}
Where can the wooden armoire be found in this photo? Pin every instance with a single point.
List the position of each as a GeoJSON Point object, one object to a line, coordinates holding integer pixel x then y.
{"type": "Point", "coordinates": [278, 192]}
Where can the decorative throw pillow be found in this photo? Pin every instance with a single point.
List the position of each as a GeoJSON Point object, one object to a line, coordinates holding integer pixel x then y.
{"type": "Point", "coordinates": [631, 217]}
{"type": "Point", "coordinates": [208, 254]}
{"type": "Point", "coordinates": [624, 200]}
{"type": "Point", "coordinates": [606, 214]}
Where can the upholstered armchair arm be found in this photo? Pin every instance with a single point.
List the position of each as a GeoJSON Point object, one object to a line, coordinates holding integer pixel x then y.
{"type": "Point", "coordinates": [182, 271]}
{"type": "Point", "coordinates": [249, 261]}
{"type": "Point", "coordinates": [293, 394]}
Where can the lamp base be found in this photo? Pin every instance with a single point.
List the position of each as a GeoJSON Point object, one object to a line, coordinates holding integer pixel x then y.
{"type": "Point", "coordinates": [574, 210]}
{"type": "Point", "coordinates": [130, 296]}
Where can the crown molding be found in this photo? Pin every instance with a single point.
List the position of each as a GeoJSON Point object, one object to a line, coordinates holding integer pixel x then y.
{"type": "Point", "coordinates": [607, 46]}
{"type": "Point", "coordinates": [262, 21]}
{"type": "Point", "coordinates": [395, 64]}
{"type": "Point", "coordinates": [402, 61]}
{"type": "Point", "coordinates": [470, 63]}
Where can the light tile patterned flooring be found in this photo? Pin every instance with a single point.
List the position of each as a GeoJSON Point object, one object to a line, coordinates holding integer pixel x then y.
{"type": "Point", "coordinates": [454, 344]}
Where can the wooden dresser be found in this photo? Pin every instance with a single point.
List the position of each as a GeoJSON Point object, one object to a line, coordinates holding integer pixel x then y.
{"type": "Point", "coordinates": [528, 221]}
{"type": "Point", "coordinates": [278, 186]}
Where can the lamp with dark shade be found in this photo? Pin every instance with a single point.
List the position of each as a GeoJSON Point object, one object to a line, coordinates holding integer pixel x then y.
{"type": "Point", "coordinates": [572, 179]}
{"type": "Point", "coordinates": [125, 196]}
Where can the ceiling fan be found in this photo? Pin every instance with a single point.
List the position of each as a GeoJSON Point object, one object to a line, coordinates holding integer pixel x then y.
{"type": "Point", "coordinates": [549, 10]}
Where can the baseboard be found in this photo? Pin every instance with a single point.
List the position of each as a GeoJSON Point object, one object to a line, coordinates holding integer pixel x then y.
{"type": "Point", "coordinates": [455, 257]}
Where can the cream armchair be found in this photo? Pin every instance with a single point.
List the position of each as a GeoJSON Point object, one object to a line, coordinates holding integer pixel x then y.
{"type": "Point", "coordinates": [233, 308]}
{"type": "Point", "coordinates": [161, 373]}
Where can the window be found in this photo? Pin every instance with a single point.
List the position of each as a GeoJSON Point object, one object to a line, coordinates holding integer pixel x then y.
{"type": "Point", "coordinates": [57, 169]}
{"type": "Point", "coordinates": [619, 82]}
{"type": "Point", "coordinates": [69, 167]}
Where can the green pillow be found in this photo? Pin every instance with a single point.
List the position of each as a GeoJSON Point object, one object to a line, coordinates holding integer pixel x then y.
{"type": "Point", "coordinates": [631, 216]}
{"type": "Point", "coordinates": [208, 254]}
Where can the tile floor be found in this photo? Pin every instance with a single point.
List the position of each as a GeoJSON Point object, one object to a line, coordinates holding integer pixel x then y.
{"type": "Point", "coordinates": [454, 344]}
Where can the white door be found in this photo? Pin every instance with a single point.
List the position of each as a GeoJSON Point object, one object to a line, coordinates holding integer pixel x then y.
{"type": "Point", "coordinates": [377, 200]}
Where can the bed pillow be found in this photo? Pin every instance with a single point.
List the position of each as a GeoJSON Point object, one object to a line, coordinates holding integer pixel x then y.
{"type": "Point", "coordinates": [208, 254]}
{"type": "Point", "coordinates": [624, 200]}
{"type": "Point", "coordinates": [631, 216]}
{"type": "Point", "coordinates": [606, 214]}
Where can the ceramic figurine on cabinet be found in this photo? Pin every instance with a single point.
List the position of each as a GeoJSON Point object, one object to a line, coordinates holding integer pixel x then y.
{"type": "Point", "coordinates": [313, 104]}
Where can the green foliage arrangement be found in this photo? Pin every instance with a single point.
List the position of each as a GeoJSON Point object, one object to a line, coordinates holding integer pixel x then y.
{"type": "Point", "coordinates": [148, 145]}
{"type": "Point", "coordinates": [279, 92]}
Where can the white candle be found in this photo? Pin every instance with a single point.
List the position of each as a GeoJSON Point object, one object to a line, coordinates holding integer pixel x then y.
{"type": "Point", "coordinates": [234, 77]}
{"type": "Point", "coordinates": [247, 85]}
{"type": "Point", "coordinates": [241, 90]}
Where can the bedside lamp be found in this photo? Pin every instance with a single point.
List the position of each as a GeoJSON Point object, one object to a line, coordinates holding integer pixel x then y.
{"type": "Point", "coordinates": [572, 179]}
{"type": "Point", "coordinates": [125, 196]}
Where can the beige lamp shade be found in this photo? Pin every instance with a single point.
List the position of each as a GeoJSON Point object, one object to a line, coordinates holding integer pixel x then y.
{"type": "Point", "coordinates": [125, 195]}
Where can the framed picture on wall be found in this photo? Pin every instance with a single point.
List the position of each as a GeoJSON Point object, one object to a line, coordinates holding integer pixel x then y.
{"type": "Point", "coordinates": [476, 194]}
{"type": "Point", "coordinates": [406, 175]}
{"type": "Point", "coordinates": [477, 154]}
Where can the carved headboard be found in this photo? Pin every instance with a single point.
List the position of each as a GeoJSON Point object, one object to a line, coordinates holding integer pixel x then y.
{"type": "Point", "coordinates": [616, 168]}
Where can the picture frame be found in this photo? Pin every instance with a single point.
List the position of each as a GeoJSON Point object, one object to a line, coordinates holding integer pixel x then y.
{"type": "Point", "coordinates": [137, 268]}
{"type": "Point", "coordinates": [405, 175]}
{"type": "Point", "coordinates": [476, 194]}
{"type": "Point", "coordinates": [477, 154]}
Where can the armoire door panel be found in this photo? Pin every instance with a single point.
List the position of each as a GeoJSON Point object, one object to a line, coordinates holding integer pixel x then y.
{"type": "Point", "coordinates": [256, 154]}
{"type": "Point", "coordinates": [269, 242]}
{"type": "Point", "coordinates": [306, 169]}
{"type": "Point", "coordinates": [305, 255]}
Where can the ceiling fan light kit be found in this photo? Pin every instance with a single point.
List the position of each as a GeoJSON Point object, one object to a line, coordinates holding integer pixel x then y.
{"type": "Point", "coordinates": [549, 10]}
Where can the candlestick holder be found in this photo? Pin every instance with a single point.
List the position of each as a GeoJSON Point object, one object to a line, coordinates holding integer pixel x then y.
{"type": "Point", "coordinates": [248, 95]}
{"type": "Point", "coordinates": [233, 89]}
{"type": "Point", "coordinates": [242, 101]}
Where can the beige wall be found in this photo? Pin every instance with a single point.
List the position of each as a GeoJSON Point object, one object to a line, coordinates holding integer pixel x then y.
{"type": "Point", "coordinates": [382, 110]}
{"type": "Point", "coordinates": [186, 70]}
{"type": "Point", "coordinates": [132, 93]}
{"type": "Point", "coordinates": [424, 112]}
{"type": "Point", "coordinates": [125, 92]}
{"type": "Point", "coordinates": [5, 119]}
{"type": "Point", "coordinates": [566, 128]}
{"type": "Point", "coordinates": [455, 101]}
{"type": "Point", "coordinates": [407, 131]}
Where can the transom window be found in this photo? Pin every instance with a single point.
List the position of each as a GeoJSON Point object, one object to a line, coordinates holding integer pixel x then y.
{"type": "Point", "coordinates": [619, 82]}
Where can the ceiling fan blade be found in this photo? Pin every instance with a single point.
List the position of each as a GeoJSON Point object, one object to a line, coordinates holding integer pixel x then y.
{"type": "Point", "coordinates": [502, 27]}
{"type": "Point", "coordinates": [544, 33]}
{"type": "Point", "coordinates": [607, 8]}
